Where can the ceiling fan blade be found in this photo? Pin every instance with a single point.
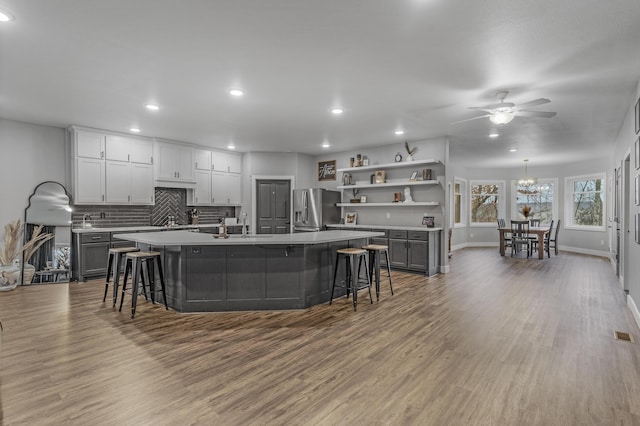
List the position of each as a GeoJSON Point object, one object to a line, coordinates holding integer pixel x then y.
{"type": "Point", "coordinates": [533, 103]}
{"type": "Point", "coordinates": [544, 114]}
{"type": "Point", "coordinates": [495, 106]}
{"type": "Point", "coordinates": [474, 118]}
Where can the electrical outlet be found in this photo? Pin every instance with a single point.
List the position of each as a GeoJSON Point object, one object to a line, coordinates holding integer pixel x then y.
{"type": "Point", "coordinates": [601, 242]}
{"type": "Point", "coordinates": [388, 215]}
{"type": "Point", "coordinates": [470, 235]}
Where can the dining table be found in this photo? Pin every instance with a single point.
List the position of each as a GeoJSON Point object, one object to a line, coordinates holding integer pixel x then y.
{"type": "Point", "coordinates": [540, 231]}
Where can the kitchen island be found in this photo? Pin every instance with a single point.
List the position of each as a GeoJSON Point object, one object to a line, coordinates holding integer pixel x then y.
{"type": "Point", "coordinates": [256, 272]}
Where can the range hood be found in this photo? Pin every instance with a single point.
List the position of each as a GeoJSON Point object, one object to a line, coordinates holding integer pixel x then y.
{"type": "Point", "coordinates": [162, 183]}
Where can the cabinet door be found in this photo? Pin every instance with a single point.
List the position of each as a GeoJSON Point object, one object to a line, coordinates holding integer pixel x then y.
{"type": "Point", "coordinates": [141, 151]}
{"type": "Point", "coordinates": [142, 190]}
{"type": "Point", "coordinates": [203, 159]}
{"type": "Point", "coordinates": [94, 259]}
{"type": "Point", "coordinates": [234, 163]}
{"type": "Point", "coordinates": [202, 191]}
{"type": "Point", "coordinates": [118, 182]}
{"type": "Point", "coordinates": [167, 162]}
{"type": "Point", "coordinates": [89, 144]}
{"type": "Point", "coordinates": [398, 253]}
{"type": "Point", "coordinates": [219, 188]}
{"type": "Point", "coordinates": [418, 255]}
{"type": "Point", "coordinates": [89, 181]}
{"type": "Point", "coordinates": [234, 188]}
{"type": "Point", "coordinates": [219, 161]}
{"type": "Point", "coordinates": [118, 148]}
{"type": "Point", "coordinates": [185, 164]}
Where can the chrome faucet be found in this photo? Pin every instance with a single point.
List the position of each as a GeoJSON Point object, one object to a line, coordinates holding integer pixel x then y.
{"type": "Point", "coordinates": [84, 220]}
{"type": "Point", "coordinates": [244, 225]}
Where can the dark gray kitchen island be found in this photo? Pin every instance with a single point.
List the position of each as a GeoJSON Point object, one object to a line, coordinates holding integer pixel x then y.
{"type": "Point", "coordinates": [257, 272]}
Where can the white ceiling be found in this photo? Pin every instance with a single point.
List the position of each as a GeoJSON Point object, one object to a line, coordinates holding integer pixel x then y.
{"type": "Point", "coordinates": [415, 64]}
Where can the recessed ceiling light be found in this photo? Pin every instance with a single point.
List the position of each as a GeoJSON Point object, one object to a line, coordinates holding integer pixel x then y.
{"type": "Point", "coordinates": [153, 107]}
{"type": "Point", "coordinates": [494, 135]}
{"type": "Point", "coordinates": [399, 132]}
{"type": "Point", "coordinates": [236, 92]}
{"type": "Point", "coordinates": [5, 16]}
{"type": "Point", "coordinates": [337, 111]}
{"type": "Point", "coordinates": [326, 144]}
{"type": "Point", "coordinates": [134, 130]}
{"type": "Point", "coordinates": [513, 150]}
{"type": "Point", "coordinates": [231, 146]}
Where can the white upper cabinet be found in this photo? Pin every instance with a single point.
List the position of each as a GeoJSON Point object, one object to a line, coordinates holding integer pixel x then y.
{"type": "Point", "coordinates": [175, 163]}
{"type": "Point", "coordinates": [226, 162]}
{"type": "Point", "coordinates": [125, 177]}
{"type": "Point", "coordinates": [120, 148]}
{"type": "Point", "coordinates": [203, 159]}
{"type": "Point", "coordinates": [89, 144]}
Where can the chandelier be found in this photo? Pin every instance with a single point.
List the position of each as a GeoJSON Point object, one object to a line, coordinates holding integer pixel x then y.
{"type": "Point", "coordinates": [526, 180]}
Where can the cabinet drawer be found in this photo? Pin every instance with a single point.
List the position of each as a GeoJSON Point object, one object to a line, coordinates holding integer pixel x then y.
{"type": "Point", "coordinates": [419, 235]}
{"type": "Point", "coordinates": [96, 237]}
{"type": "Point", "coordinates": [397, 234]}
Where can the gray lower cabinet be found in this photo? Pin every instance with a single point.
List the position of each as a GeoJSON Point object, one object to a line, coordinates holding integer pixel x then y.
{"type": "Point", "coordinates": [416, 251]}
{"type": "Point", "coordinates": [94, 250]}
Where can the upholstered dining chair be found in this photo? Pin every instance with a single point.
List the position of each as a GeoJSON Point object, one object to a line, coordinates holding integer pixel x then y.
{"type": "Point", "coordinates": [520, 236]}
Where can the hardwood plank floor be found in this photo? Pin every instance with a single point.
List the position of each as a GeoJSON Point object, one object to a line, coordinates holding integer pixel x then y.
{"type": "Point", "coordinates": [498, 341]}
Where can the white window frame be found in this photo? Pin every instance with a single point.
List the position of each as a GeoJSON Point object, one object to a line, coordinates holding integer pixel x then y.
{"type": "Point", "coordinates": [556, 200]}
{"type": "Point", "coordinates": [501, 201]}
{"type": "Point", "coordinates": [463, 202]}
{"type": "Point", "coordinates": [568, 208]}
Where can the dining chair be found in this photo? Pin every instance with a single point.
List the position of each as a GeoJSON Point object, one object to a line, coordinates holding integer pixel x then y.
{"type": "Point", "coordinates": [547, 239]}
{"type": "Point", "coordinates": [507, 235]}
{"type": "Point", "coordinates": [534, 222]}
{"type": "Point", "coordinates": [520, 236]}
{"type": "Point", "coordinates": [554, 240]}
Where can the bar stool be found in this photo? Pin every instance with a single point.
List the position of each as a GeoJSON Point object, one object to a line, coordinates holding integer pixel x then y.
{"type": "Point", "coordinates": [375, 251]}
{"type": "Point", "coordinates": [135, 265]}
{"type": "Point", "coordinates": [353, 261]}
{"type": "Point", "coordinates": [113, 269]}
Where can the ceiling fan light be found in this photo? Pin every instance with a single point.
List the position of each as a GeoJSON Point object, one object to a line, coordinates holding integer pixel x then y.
{"type": "Point", "coordinates": [501, 117]}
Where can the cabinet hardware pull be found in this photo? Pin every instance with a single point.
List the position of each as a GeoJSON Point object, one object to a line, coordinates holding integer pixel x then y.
{"type": "Point", "coordinates": [128, 157]}
{"type": "Point", "coordinates": [102, 197]}
{"type": "Point", "coordinates": [101, 154]}
{"type": "Point", "coordinates": [128, 197]}
{"type": "Point", "coordinates": [151, 160]}
{"type": "Point", "coordinates": [96, 238]}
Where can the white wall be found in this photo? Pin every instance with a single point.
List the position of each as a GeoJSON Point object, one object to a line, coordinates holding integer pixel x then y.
{"type": "Point", "coordinates": [624, 145]}
{"type": "Point", "coordinates": [31, 154]}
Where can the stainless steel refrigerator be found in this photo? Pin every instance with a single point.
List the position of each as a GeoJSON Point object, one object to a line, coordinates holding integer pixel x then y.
{"type": "Point", "coordinates": [314, 208]}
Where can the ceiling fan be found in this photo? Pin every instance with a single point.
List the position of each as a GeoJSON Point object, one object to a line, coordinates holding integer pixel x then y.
{"type": "Point", "coordinates": [503, 112]}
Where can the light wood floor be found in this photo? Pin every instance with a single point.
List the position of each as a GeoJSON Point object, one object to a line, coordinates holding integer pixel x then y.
{"type": "Point", "coordinates": [498, 341]}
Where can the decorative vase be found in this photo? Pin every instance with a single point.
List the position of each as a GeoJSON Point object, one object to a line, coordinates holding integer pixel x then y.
{"type": "Point", "coordinates": [9, 277]}
{"type": "Point", "coordinates": [29, 272]}
{"type": "Point", "coordinates": [409, 157]}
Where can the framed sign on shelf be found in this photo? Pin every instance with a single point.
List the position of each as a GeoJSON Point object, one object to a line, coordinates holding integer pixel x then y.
{"type": "Point", "coordinates": [350, 218]}
{"type": "Point", "coordinates": [327, 170]}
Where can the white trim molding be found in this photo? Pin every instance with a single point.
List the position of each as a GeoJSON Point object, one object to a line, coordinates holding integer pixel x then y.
{"type": "Point", "coordinates": [634, 309]}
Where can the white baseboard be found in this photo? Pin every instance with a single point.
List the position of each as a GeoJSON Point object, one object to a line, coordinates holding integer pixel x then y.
{"type": "Point", "coordinates": [598, 253]}
{"type": "Point", "coordinates": [634, 309]}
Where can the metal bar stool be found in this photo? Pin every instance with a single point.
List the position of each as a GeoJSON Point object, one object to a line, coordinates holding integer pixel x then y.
{"type": "Point", "coordinates": [113, 269]}
{"type": "Point", "coordinates": [135, 265]}
{"type": "Point", "coordinates": [375, 251]}
{"type": "Point", "coordinates": [353, 261]}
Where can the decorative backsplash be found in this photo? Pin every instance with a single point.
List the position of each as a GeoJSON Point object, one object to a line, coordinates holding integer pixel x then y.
{"type": "Point", "coordinates": [169, 201]}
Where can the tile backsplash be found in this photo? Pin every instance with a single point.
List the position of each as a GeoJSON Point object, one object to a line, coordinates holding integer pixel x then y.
{"type": "Point", "coordinates": [169, 201]}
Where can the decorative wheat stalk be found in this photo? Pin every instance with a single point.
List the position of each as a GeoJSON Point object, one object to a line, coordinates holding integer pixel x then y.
{"type": "Point", "coordinates": [10, 249]}
{"type": "Point", "coordinates": [36, 241]}
{"type": "Point", "coordinates": [12, 232]}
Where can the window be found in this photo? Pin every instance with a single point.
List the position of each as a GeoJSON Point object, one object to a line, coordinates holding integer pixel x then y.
{"type": "Point", "coordinates": [486, 202]}
{"type": "Point", "coordinates": [458, 203]}
{"type": "Point", "coordinates": [539, 197]}
{"type": "Point", "coordinates": [585, 202]}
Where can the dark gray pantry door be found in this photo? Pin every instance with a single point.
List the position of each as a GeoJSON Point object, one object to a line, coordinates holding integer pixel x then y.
{"type": "Point", "coordinates": [272, 204]}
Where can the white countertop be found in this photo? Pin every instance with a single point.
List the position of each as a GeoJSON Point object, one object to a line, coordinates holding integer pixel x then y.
{"type": "Point", "coordinates": [186, 238]}
{"type": "Point", "coordinates": [401, 228]}
{"type": "Point", "coordinates": [143, 228]}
